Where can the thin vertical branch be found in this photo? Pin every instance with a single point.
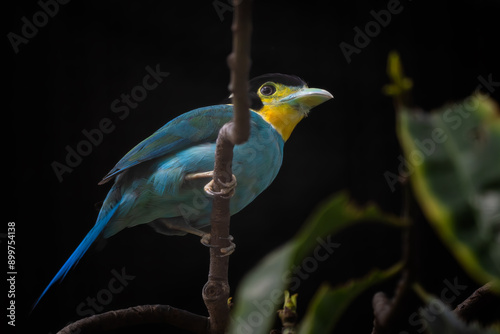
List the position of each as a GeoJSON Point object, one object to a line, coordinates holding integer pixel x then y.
{"type": "Point", "coordinates": [388, 311]}
{"type": "Point", "coordinates": [239, 64]}
{"type": "Point", "coordinates": [216, 290]}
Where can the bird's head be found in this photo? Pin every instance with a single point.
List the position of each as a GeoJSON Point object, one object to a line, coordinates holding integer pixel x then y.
{"type": "Point", "coordinates": [283, 100]}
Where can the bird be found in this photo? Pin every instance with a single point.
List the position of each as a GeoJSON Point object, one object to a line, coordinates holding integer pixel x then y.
{"type": "Point", "coordinates": [162, 181]}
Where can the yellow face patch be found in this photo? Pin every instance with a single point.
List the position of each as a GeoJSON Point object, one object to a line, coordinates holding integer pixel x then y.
{"type": "Point", "coordinates": [281, 115]}
{"type": "Point", "coordinates": [280, 91]}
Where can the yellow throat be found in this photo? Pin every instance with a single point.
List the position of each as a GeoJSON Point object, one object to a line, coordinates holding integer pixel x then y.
{"type": "Point", "coordinates": [284, 106]}
{"type": "Point", "coordinates": [282, 117]}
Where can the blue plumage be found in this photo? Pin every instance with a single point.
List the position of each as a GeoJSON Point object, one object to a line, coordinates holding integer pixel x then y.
{"type": "Point", "coordinates": [161, 181]}
{"type": "Point", "coordinates": [150, 178]}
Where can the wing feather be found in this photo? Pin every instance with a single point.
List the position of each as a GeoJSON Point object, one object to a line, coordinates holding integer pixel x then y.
{"type": "Point", "coordinates": [197, 126]}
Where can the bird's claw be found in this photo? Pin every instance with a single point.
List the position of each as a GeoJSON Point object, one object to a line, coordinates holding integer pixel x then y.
{"type": "Point", "coordinates": [226, 188]}
{"type": "Point", "coordinates": [205, 240]}
{"type": "Point", "coordinates": [226, 251]}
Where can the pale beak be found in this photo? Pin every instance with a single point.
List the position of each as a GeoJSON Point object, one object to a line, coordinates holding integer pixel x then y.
{"type": "Point", "coordinates": [308, 97]}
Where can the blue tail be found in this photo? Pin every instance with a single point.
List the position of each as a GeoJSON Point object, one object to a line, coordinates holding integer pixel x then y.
{"type": "Point", "coordinates": [80, 250]}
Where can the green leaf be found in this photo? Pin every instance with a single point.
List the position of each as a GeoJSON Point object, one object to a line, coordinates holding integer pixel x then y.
{"type": "Point", "coordinates": [290, 301]}
{"type": "Point", "coordinates": [261, 292]}
{"type": "Point", "coordinates": [439, 319]}
{"type": "Point", "coordinates": [329, 303]}
{"type": "Point", "coordinates": [400, 84]}
{"type": "Point", "coordinates": [453, 160]}
{"type": "Point", "coordinates": [334, 215]}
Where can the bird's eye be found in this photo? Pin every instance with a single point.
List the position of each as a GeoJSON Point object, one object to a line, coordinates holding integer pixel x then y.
{"type": "Point", "coordinates": [267, 90]}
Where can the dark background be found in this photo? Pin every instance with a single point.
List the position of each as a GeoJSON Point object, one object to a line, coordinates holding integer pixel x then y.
{"type": "Point", "coordinates": [65, 78]}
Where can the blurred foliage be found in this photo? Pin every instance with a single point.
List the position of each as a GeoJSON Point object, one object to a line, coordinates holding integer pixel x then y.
{"type": "Point", "coordinates": [329, 303]}
{"type": "Point", "coordinates": [257, 298]}
{"type": "Point", "coordinates": [453, 157]}
{"type": "Point", "coordinates": [452, 161]}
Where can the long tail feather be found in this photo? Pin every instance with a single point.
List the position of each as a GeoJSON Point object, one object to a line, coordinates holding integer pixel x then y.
{"type": "Point", "coordinates": [80, 250]}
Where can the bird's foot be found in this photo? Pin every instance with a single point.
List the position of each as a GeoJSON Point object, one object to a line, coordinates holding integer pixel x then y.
{"type": "Point", "coordinates": [226, 188]}
{"type": "Point", "coordinates": [194, 176]}
{"type": "Point", "coordinates": [226, 251]}
{"type": "Point", "coordinates": [205, 240]}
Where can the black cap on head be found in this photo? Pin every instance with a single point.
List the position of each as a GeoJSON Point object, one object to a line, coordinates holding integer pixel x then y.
{"type": "Point", "coordinates": [285, 79]}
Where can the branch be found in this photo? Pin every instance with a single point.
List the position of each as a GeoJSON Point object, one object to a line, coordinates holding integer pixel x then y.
{"type": "Point", "coordinates": [146, 314]}
{"type": "Point", "coordinates": [387, 312]}
{"type": "Point", "coordinates": [216, 290]}
{"type": "Point", "coordinates": [478, 305]}
{"type": "Point", "coordinates": [239, 64]}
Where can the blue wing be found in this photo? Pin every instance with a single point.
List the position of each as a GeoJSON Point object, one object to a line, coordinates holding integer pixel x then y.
{"type": "Point", "coordinates": [196, 126]}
